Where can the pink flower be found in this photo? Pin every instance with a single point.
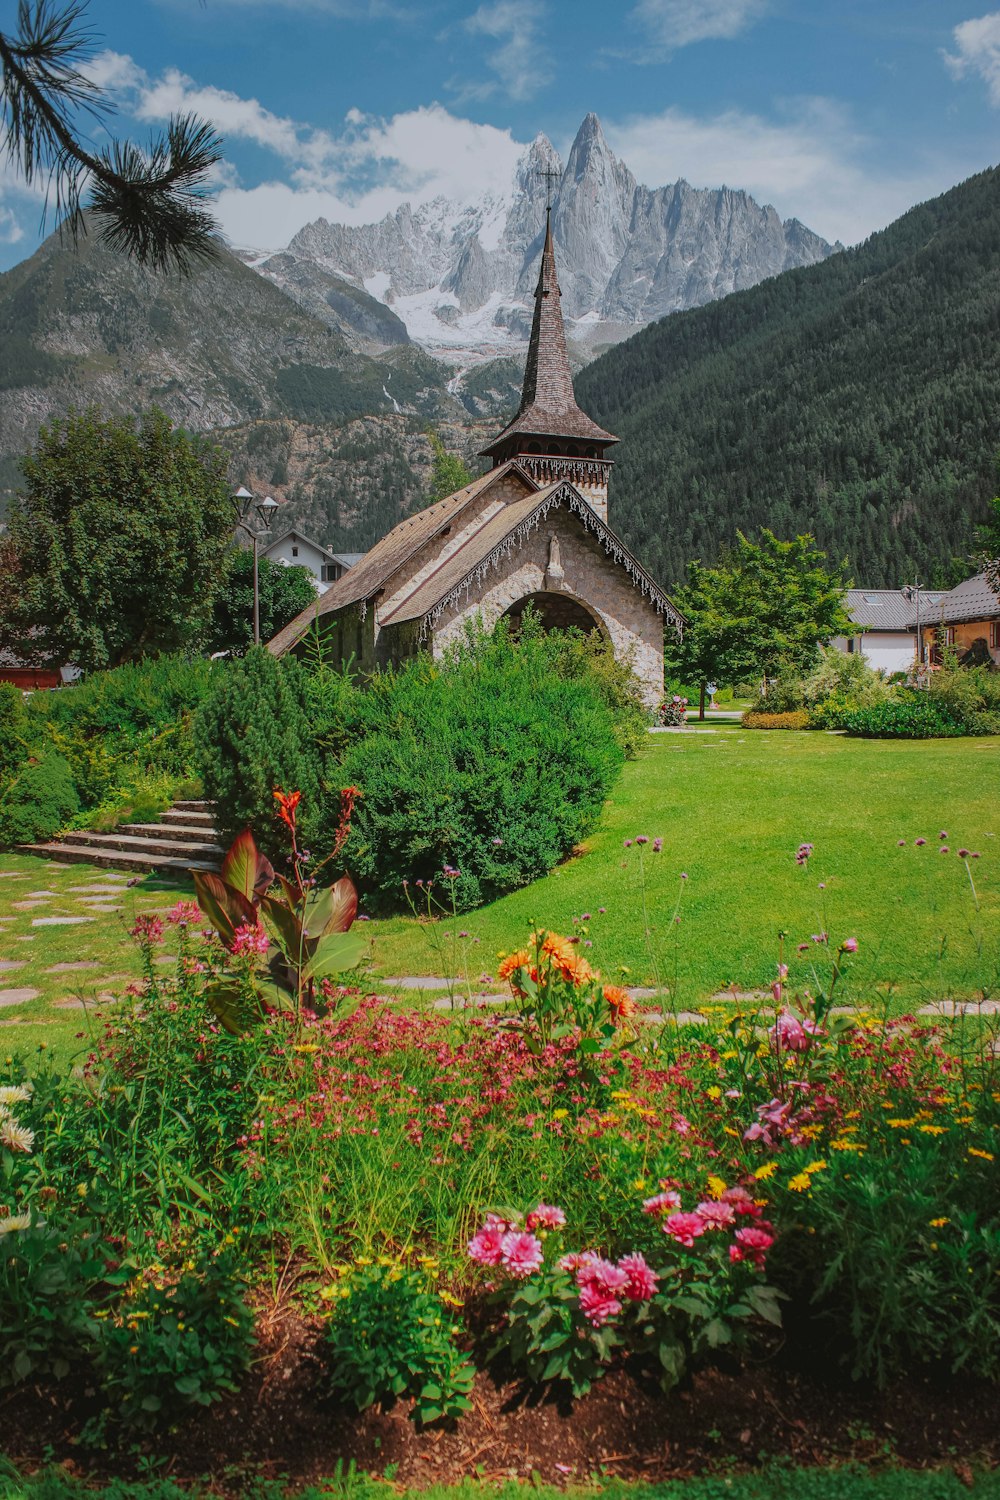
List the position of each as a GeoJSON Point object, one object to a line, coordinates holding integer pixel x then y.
{"type": "Point", "coordinates": [251, 940]}
{"type": "Point", "coordinates": [598, 1306]}
{"type": "Point", "coordinates": [596, 1271]}
{"type": "Point", "coordinates": [790, 1034]}
{"type": "Point", "coordinates": [148, 929]}
{"type": "Point", "coordinates": [486, 1246]}
{"type": "Point", "coordinates": [684, 1228]}
{"type": "Point", "coordinates": [185, 914]}
{"type": "Point", "coordinates": [943, 834]}
{"type": "Point", "coordinates": [577, 1260]}
{"type": "Point", "coordinates": [545, 1216]}
{"type": "Point", "coordinates": [753, 1244]}
{"type": "Point", "coordinates": [642, 1280]}
{"type": "Point", "coordinates": [849, 945]}
{"type": "Point", "coordinates": [742, 1202]}
{"type": "Point", "coordinates": [716, 1215]}
{"type": "Point", "coordinates": [521, 1253]}
{"type": "Point", "coordinates": [920, 843]}
{"type": "Point", "coordinates": [661, 1203]}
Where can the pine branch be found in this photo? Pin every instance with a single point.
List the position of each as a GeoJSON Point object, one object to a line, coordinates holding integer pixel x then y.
{"type": "Point", "coordinates": [152, 202]}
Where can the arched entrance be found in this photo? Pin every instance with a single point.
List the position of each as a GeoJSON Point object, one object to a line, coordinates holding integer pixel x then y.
{"type": "Point", "coordinates": [556, 612]}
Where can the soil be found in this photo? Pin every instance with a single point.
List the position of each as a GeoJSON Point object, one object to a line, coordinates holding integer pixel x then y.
{"type": "Point", "coordinates": [723, 1418]}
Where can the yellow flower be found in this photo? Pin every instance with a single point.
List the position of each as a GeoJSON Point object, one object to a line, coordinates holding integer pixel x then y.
{"type": "Point", "coordinates": [621, 1094]}
{"type": "Point", "coordinates": [983, 1155]}
{"type": "Point", "coordinates": [639, 1185]}
{"type": "Point", "coordinates": [939, 1223]}
{"type": "Point", "coordinates": [901, 1124]}
{"type": "Point", "coordinates": [800, 1183]}
{"type": "Point", "coordinates": [306, 1047]}
{"type": "Point", "coordinates": [560, 1114]}
{"type": "Point", "coordinates": [728, 1056]}
{"type": "Point", "coordinates": [714, 1092]}
{"type": "Point", "coordinates": [449, 1300]}
{"type": "Point", "coordinates": [816, 1166]}
{"type": "Point", "coordinates": [716, 1187]}
{"type": "Point", "coordinates": [767, 1170]}
{"type": "Point", "coordinates": [933, 1129]}
{"type": "Point", "coordinates": [963, 1119]}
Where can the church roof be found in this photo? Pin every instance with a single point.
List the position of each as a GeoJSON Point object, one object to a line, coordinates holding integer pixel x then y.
{"type": "Point", "coordinates": [548, 406]}
{"type": "Point", "coordinates": [373, 571]}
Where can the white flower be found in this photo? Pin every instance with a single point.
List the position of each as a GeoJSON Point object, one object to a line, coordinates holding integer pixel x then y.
{"type": "Point", "coordinates": [13, 1222]}
{"type": "Point", "coordinates": [14, 1093]}
{"type": "Point", "coordinates": [16, 1137]}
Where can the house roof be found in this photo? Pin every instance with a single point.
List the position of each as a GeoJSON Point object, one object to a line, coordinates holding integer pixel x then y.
{"type": "Point", "coordinates": [372, 572]}
{"type": "Point", "coordinates": [299, 537]}
{"type": "Point", "coordinates": [971, 600]}
{"type": "Point", "coordinates": [348, 559]}
{"type": "Point", "coordinates": [885, 609]}
{"type": "Point", "coordinates": [548, 405]}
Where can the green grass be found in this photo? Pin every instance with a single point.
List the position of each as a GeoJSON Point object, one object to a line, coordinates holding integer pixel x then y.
{"type": "Point", "coordinates": [775, 1482]}
{"type": "Point", "coordinates": [732, 806]}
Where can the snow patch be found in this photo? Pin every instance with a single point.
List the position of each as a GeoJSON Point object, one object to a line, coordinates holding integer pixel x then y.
{"type": "Point", "coordinates": [378, 285]}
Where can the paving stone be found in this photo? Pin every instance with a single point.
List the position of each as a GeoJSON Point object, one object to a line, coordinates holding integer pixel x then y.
{"type": "Point", "coordinates": [739, 996]}
{"type": "Point", "coordinates": [462, 1003]}
{"type": "Point", "coordinates": [73, 968]}
{"type": "Point", "coordinates": [28, 939]}
{"type": "Point", "coordinates": [28, 905]}
{"type": "Point", "coordinates": [7, 965]}
{"type": "Point", "coordinates": [682, 1017]}
{"type": "Point", "coordinates": [59, 921]}
{"type": "Point", "coordinates": [961, 1008]}
{"type": "Point", "coordinates": [18, 997]}
{"type": "Point", "coordinates": [69, 1003]}
{"type": "Point", "coordinates": [163, 959]}
{"type": "Point", "coordinates": [637, 992]}
{"type": "Point", "coordinates": [12, 875]}
{"type": "Point", "coordinates": [40, 895]}
{"type": "Point", "coordinates": [416, 982]}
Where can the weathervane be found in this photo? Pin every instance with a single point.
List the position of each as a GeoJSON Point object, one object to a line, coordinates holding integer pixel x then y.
{"type": "Point", "coordinates": [551, 175]}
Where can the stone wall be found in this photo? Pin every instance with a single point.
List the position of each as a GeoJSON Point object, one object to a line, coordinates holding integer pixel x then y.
{"type": "Point", "coordinates": [629, 620]}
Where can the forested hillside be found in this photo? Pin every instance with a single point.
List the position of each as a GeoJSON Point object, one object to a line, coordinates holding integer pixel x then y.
{"type": "Point", "coordinates": [858, 399]}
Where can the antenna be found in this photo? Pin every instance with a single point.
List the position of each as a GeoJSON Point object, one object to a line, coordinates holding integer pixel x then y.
{"type": "Point", "coordinates": [551, 175]}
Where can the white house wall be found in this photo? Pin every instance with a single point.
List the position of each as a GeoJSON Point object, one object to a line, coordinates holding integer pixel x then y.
{"type": "Point", "coordinates": [885, 650]}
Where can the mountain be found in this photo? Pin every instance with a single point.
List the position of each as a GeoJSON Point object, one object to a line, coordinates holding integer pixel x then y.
{"type": "Point", "coordinates": [857, 399]}
{"type": "Point", "coordinates": [461, 278]}
{"type": "Point", "coordinates": [219, 351]}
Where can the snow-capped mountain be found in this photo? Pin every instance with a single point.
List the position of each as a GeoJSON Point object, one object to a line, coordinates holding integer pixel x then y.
{"type": "Point", "coordinates": [461, 277]}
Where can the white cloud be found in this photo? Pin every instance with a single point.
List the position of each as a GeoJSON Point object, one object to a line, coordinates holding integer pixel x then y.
{"type": "Point", "coordinates": [516, 53]}
{"type": "Point", "coordinates": [11, 228]}
{"type": "Point", "coordinates": [977, 44]}
{"type": "Point", "coordinates": [677, 23]}
{"type": "Point", "coordinates": [810, 163]}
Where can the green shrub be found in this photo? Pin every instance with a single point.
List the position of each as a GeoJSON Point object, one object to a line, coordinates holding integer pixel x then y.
{"type": "Point", "coordinates": [492, 762]}
{"type": "Point", "coordinates": [18, 735]}
{"type": "Point", "coordinates": [38, 802]}
{"type": "Point", "coordinates": [754, 718]}
{"type": "Point", "coordinates": [177, 1339]}
{"type": "Point", "coordinates": [391, 1337]}
{"type": "Point", "coordinates": [914, 717]}
{"type": "Point", "coordinates": [254, 735]}
{"type": "Point", "coordinates": [841, 683]}
{"type": "Point", "coordinates": [591, 657]}
{"type": "Point", "coordinates": [784, 695]}
{"type": "Point", "coordinates": [49, 1273]}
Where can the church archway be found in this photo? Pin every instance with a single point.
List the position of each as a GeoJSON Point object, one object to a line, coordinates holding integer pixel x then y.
{"type": "Point", "coordinates": [556, 612]}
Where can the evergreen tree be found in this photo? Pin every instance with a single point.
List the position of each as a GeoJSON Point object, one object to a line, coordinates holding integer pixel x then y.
{"type": "Point", "coordinates": [448, 473]}
{"type": "Point", "coordinates": [283, 593]}
{"type": "Point", "coordinates": [150, 204]}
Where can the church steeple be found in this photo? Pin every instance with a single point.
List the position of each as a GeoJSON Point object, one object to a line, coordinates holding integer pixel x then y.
{"type": "Point", "coordinates": [550, 435]}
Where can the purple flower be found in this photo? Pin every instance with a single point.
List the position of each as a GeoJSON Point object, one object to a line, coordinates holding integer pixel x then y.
{"type": "Point", "coordinates": [963, 853]}
{"type": "Point", "coordinates": [943, 849]}
{"type": "Point", "coordinates": [627, 843]}
{"type": "Point", "coordinates": [802, 854]}
{"type": "Point", "coordinates": [657, 845]}
{"type": "Point", "coordinates": [943, 834]}
{"type": "Point", "coordinates": [450, 872]}
{"type": "Point", "coordinates": [849, 945]}
{"type": "Point", "coordinates": [496, 842]}
{"type": "Point", "coordinates": [642, 839]}
{"type": "Point", "coordinates": [684, 875]}
{"type": "Point", "coordinates": [920, 843]}
{"type": "Point", "coordinates": [585, 917]}
{"type": "Point", "coordinates": [901, 843]}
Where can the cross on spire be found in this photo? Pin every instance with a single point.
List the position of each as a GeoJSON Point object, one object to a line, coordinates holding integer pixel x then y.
{"type": "Point", "coordinates": [551, 175]}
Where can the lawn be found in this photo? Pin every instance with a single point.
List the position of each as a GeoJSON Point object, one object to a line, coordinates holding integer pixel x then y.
{"type": "Point", "coordinates": [732, 808]}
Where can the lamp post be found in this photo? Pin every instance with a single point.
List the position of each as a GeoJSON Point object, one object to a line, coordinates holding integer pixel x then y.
{"type": "Point", "coordinates": [911, 593]}
{"type": "Point", "coordinates": [245, 507]}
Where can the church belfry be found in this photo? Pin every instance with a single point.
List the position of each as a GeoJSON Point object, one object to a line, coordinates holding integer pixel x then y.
{"type": "Point", "coordinates": [550, 436]}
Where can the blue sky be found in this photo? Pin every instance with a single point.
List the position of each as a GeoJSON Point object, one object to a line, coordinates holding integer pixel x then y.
{"type": "Point", "coordinates": [841, 114]}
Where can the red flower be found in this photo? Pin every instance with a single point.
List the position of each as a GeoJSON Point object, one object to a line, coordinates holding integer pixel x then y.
{"type": "Point", "coordinates": [287, 803]}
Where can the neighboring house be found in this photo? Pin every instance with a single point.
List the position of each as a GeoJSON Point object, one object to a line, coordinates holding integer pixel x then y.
{"type": "Point", "coordinates": [967, 618]}
{"type": "Point", "coordinates": [533, 530]}
{"type": "Point", "coordinates": [887, 637]}
{"type": "Point", "coordinates": [293, 550]}
{"type": "Point", "coordinates": [31, 679]}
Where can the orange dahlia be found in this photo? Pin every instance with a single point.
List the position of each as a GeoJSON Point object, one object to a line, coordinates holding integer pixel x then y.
{"type": "Point", "coordinates": [619, 1002]}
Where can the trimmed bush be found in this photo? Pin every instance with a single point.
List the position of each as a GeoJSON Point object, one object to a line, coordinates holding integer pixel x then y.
{"type": "Point", "coordinates": [493, 763]}
{"type": "Point", "coordinates": [253, 735]}
{"type": "Point", "coordinates": [796, 718]}
{"type": "Point", "coordinates": [39, 802]}
{"type": "Point", "coordinates": [914, 717]}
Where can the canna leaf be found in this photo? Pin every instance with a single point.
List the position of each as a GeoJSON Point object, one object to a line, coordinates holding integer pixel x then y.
{"type": "Point", "coordinates": [224, 906]}
{"type": "Point", "coordinates": [284, 926]}
{"type": "Point", "coordinates": [334, 954]}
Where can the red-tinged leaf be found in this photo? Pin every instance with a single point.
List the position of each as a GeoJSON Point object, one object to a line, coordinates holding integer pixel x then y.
{"type": "Point", "coordinates": [246, 869]}
{"type": "Point", "coordinates": [284, 927]}
{"type": "Point", "coordinates": [224, 1001]}
{"type": "Point", "coordinates": [332, 910]}
{"type": "Point", "coordinates": [292, 893]}
{"type": "Point", "coordinates": [224, 906]}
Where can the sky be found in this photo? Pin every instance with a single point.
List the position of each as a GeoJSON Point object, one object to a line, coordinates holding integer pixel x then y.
{"type": "Point", "coordinates": [841, 114]}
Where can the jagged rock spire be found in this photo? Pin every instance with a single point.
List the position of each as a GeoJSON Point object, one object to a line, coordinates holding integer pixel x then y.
{"type": "Point", "coordinates": [548, 409]}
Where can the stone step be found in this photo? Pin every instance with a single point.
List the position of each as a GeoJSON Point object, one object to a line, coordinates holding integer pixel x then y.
{"type": "Point", "coordinates": [117, 859]}
{"type": "Point", "coordinates": [194, 804]}
{"type": "Point", "coordinates": [185, 833]}
{"type": "Point", "coordinates": [191, 817]}
{"type": "Point", "coordinates": [196, 848]}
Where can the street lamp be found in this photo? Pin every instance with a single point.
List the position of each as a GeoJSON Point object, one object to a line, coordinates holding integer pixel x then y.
{"type": "Point", "coordinates": [911, 593]}
{"type": "Point", "coordinates": [246, 507]}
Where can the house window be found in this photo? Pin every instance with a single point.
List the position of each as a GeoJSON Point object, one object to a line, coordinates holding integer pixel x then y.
{"type": "Point", "coordinates": [949, 635]}
{"type": "Point", "coordinates": [995, 635]}
{"type": "Point", "coordinates": [295, 551]}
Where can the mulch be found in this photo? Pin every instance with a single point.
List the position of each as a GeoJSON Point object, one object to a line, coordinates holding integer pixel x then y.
{"type": "Point", "coordinates": [726, 1416]}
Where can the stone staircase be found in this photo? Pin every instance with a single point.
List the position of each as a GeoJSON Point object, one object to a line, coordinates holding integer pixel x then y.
{"type": "Point", "coordinates": [184, 839]}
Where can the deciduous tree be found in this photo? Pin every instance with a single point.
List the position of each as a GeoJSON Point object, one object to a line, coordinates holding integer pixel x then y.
{"type": "Point", "coordinates": [120, 538]}
{"type": "Point", "coordinates": [283, 593]}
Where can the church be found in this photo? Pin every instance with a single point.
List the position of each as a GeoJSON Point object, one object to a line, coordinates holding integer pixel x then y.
{"type": "Point", "coordinates": [532, 530]}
